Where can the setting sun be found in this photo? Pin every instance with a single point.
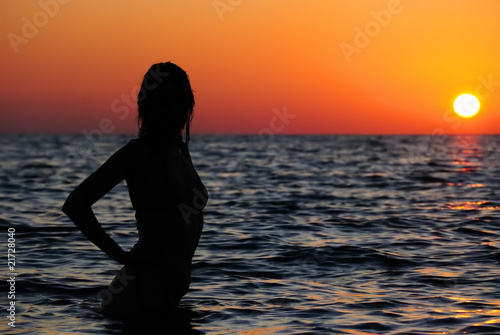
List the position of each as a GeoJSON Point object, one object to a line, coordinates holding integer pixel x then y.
{"type": "Point", "coordinates": [466, 105]}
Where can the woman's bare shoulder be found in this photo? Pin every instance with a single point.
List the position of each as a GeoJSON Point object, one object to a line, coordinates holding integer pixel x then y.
{"type": "Point", "coordinates": [127, 154]}
{"type": "Point", "coordinates": [135, 142]}
{"type": "Point", "coordinates": [133, 147]}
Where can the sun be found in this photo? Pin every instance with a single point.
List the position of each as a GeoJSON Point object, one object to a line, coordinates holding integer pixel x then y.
{"type": "Point", "coordinates": [466, 105]}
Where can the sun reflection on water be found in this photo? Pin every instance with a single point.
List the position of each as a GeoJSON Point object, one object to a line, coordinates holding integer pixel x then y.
{"type": "Point", "coordinates": [466, 185]}
{"type": "Point", "coordinates": [472, 205]}
{"type": "Point", "coordinates": [262, 331]}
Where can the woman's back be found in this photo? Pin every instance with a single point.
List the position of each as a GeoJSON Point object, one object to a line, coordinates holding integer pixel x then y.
{"type": "Point", "coordinates": [167, 195]}
{"type": "Point", "coordinates": [161, 176]}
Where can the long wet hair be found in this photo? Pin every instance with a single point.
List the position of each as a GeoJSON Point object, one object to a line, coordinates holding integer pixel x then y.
{"type": "Point", "coordinates": [165, 103]}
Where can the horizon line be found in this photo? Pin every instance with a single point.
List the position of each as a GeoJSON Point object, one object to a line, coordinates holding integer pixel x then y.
{"type": "Point", "coordinates": [252, 134]}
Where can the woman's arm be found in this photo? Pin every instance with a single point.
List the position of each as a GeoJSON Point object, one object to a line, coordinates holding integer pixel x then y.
{"type": "Point", "coordinates": [85, 220]}
{"type": "Point", "coordinates": [78, 205]}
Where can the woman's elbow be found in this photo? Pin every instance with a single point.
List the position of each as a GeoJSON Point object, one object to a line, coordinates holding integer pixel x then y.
{"type": "Point", "coordinates": [67, 207]}
{"type": "Point", "coordinates": [71, 206]}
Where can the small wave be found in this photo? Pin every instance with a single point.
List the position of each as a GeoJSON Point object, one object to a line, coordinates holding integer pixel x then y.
{"type": "Point", "coordinates": [474, 232]}
{"type": "Point", "coordinates": [372, 326]}
{"type": "Point", "coordinates": [4, 223]}
{"type": "Point", "coordinates": [486, 330]}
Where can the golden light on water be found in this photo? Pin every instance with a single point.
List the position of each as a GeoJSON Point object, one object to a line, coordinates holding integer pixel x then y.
{"type": "Point", "coordinates": [471, 205]}
{"type": "Point", "coordinates": [262, 331]}
{"type": "Point", "coordinates": [492, 321]}
{"type": "Point", "coordinates": [466, 185]}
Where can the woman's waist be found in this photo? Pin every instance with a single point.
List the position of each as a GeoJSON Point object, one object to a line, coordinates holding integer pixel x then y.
{"type": "Point", "coordinates": [169, 231]}
{"type": "Point", "coordinates": [158, 216]}
{"type": "Point", "coordinates": [167, 218]}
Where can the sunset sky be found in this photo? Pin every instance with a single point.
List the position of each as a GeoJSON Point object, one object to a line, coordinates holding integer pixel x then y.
{"type": "Point", "coordinates": [285, 66]}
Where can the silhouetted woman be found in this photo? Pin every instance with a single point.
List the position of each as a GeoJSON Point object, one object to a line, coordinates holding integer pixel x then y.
{"type": "Point", "coordinates": [166, 193]}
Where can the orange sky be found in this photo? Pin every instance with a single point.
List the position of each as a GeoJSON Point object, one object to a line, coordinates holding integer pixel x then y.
{"type": "Point", "coordinates": [281, 66]}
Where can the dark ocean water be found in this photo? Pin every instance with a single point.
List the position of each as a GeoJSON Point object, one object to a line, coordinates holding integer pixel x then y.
{"type": "Point", "coordinates": [303, 235]}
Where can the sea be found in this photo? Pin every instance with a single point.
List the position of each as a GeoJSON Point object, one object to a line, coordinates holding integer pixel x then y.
{"type": "Point", "coordinates": [303, 235]}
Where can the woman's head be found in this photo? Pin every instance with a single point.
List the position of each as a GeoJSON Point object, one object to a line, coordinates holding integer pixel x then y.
{"type": "Point", "coordinates": [165, 102]}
